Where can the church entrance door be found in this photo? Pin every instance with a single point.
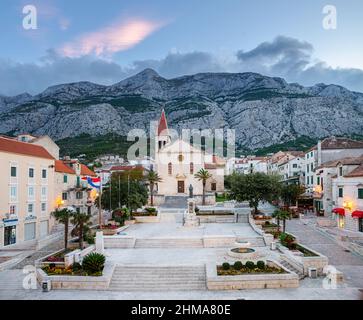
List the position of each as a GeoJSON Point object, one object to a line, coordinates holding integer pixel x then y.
{"type": "Point", "coordinates": [181, 187]}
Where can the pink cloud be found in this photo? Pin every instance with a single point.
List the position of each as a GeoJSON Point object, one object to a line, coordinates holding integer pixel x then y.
{"type": "Point", "coordinates": [118, 37]}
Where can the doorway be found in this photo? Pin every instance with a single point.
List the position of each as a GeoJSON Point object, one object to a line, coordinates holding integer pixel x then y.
{"type": "Point", "coordinates": [181, 187]}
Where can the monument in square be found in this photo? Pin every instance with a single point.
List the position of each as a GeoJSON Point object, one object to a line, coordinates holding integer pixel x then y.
{"type": "Point", "coordinates": [191, 219]}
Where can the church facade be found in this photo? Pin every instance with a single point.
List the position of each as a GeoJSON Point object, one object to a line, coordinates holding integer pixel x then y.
{"type": "Point", "coordinates": [178, 161]}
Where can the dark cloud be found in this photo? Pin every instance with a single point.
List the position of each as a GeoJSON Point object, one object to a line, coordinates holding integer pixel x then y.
{"type": "Point", "coordinates": [292, 59]}
{"type": "Point", "coordinates": [53, 69]}
{"type": "Point", "coordinates": [284, 57]}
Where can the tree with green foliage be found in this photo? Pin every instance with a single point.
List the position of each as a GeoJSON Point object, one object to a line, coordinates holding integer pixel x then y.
{"type": "Point", "coordinates": [63, 216]}
{"type": "Point", "coordinates": [152, 178]}
{"type": "Point", "coordinates": [203, 175]}
{"type": "Point", "coordinates": [81, 222]}
{"type": "Point", "coordinates": [290, 193]}
{"type": "Point", "coordinates": [127, 189]}
{"type": "Point", "coordinates": [253, 187]}
{"type": "Point", "coordinates": [281, 215]}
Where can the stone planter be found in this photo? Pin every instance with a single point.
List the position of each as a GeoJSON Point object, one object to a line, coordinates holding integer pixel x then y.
{"type": "Point", "coordinates": [251, 281]}
{"type": "Point", "coordinates": [129, 222]}
{"type": "Point", "coordinates": [78, 282]}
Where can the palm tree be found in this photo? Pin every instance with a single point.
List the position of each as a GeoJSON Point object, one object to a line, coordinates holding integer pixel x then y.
{"type": "Point", "coordinates": [152, 177]}
{"type": "Point", "coordinates": [281, 215]}
{"type": "Point", "coordinates": [80, 221]}
{"type": "Point", "coordinates": [63, 216]}
{"type": "Point", "coordinates": [203, 175]}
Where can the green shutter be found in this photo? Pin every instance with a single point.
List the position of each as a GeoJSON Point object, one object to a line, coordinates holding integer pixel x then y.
{"type": "Point", "coordinates": [360, 193]}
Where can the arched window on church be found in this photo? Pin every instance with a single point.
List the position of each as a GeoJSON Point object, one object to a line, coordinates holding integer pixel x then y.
{"type": "Point", "coordinates": [170, 168]}
{"type": "Point", "coordinates": [191, 168]}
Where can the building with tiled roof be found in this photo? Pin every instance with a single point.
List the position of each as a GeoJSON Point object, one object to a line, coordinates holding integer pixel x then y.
{"type": "Point", "coordinates": [27, 192]}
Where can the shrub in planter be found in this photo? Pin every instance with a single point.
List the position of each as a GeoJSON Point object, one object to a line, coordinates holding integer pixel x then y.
{"type": "Point", "coordinates": [93, 262]}
{"type": "Point", "coordinates": [150, 210]}
{"type": "Point", "coordinates": [238, 265]}
{"type": "Point", "coordinates": [261, 265]}
{"type": "Point", "coordinates": [76, 266]}
{"type": "Point", "coordinates": [287, 240]}
{"type": "Point", "coordinates": [250, 265]}
{"type": "Point", "coordinates": [226, 266]}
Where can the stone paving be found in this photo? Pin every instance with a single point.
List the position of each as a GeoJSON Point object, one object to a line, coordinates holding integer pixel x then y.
{"type": "Point", "coordinates": [349, 263]}
{"type": "Point", "coordinates": [310, 289]}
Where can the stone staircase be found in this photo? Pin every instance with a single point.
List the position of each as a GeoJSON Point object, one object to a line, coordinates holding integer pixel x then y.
{"type": "Point", "coordinates": [169, 243]}
{"type": "Point", "coordinates": [292, 268]}
{"type": "Point", "coordinates": [175, 202]}
{"type": "Point", "coordinates": [158, 278]}
{"type": "Point", "coordinates": [255, 241]}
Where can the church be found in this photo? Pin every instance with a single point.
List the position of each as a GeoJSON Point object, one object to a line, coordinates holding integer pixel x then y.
{"type": "Point", "coordinates": [177, 161]}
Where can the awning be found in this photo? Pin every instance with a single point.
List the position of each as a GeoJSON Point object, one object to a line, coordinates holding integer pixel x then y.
{"type": "Point", "coordinates": [357, 214]}
{"type": "Point", "coordinates": [339, 211]}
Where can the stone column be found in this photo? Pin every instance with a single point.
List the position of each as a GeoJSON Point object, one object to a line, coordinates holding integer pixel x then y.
{"type": "Point", "coordinates": [100, 245]}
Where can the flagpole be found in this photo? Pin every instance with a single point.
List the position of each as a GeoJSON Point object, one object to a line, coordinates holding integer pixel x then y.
{"type": "Point", "coordinates": [99, 206]}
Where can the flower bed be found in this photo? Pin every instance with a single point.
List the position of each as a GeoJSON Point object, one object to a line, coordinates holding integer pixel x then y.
{"type": "Point", "coordinates": [248, 268]}
{"type": "Point", "coordinates": [57, 257]}
{"type": "Point", "coordinates": [59, 271]}
{"type": "Point", "coordinates": [265, 278]}
{"type": "Point", "coordinates": [145, 214]}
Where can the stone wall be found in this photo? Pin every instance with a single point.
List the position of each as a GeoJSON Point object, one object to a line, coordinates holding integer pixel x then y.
{"type": "Point", "coordinates": [79, 282]}
{"type": "Point", "coordinates": [251, 281]}
{"type": "Point", "coordinates": [119, 242]}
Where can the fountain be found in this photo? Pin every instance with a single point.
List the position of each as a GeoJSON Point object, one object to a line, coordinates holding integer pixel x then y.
{"type": "Point", "coordinates": [243, 252]}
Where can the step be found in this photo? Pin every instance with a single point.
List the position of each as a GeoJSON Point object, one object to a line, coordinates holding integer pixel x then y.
{"type": "Point", "coordinates": [162, 278]}
{"type": "Point", "coordinates": [169, 243]}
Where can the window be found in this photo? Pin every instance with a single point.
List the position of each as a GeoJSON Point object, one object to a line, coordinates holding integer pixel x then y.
{"type": "Point", "coordinates": [13, 192]}
{"type": "Point", "coordinates": [318, 180]}
{"type": "Point", "coordinates": [311, 167]}
{"type": "Point", "coordinates": [79, 195]}
{"type": "Point", "coordinates": [65, 178]}
{"type": "Point", "coordinates": [64, 196]}
{"type": "Point", "coordinates": [322, 184]}
{"type": "Point", "coordinates": [170, 168]}
{"type": "Point", "coordinates": [13, 171]}
{"type": "Point", "coordinates": [360, 193]}
{"type": "Point", "coordinates": [44, 192]}
{"type": "Point", "coordinates": [311, 154]}
{"type": "Point", "coordinates": [213, 186]}
{"type": "Point", "coordinates": [31, 172]}
{"type": "Point", "coordinates": [44, 173]}
{"type": "Point", "coordinates": [78, 181]}
{"type": "Point", "coordinates": [307, 156]}
{"type": "Point", "coordinates": [340, 171]}
{"type": "Point", "coordinates": [30, 208]}
{"type": "Point", "coordinates": [191, 168]}
{"type": "Point", "coordinates": [312, 179]}
{"type": "Point", "coordinates": [12, 209]}
{"type": "Point", "coordinates": [340, 192]}
{"type": "Point", "coordinates": [29, 231]}
{"type": "Point", "coordinates": [294, 165]}
{"type": "Point", "coordinates": [43, 207]}
{"type": "Point", "coordinates": [31, 192]}
{"type": "Point", "coordinates": [307, 168]}
{"type": "Point", "coordinates": [180, 158]}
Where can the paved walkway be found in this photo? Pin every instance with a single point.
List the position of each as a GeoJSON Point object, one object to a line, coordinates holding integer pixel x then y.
{"type": "Point", "coordinates": [349, 263]}
{"type": "Point", "coordinates": [310, 289]}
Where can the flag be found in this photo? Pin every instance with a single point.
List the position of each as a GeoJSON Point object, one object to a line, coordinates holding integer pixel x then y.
{"type": "Point", "coordinates": [94, 182]}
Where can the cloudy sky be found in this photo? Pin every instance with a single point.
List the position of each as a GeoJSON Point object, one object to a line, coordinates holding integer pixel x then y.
{"type": "Point", "coordinates": [109, 40]}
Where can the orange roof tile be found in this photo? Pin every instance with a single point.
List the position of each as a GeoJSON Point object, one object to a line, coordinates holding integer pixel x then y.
{"type": "Point", "coordinates": [357, 172]}
{"type": "Point", "coordinates": [10, 145]}
{"type": "Point", "coordinates": [85, 171]}
{"type": "Point", "coordinates": [60, 166]}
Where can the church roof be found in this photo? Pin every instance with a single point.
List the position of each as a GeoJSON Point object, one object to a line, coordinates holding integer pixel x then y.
{"type": "Point", "coordinates": [163, 125]}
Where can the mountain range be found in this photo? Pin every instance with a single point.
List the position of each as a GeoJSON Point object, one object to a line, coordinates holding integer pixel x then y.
{"type": "Point", "coordinates": [263, 110]}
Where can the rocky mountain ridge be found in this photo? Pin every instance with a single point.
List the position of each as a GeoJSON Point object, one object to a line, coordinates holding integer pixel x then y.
{"type": "Point", "coordinates": [263, 110]}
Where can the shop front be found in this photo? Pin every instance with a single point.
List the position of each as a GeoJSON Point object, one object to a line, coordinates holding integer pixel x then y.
{"type": "Point", "coordinates": [10, 231]}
